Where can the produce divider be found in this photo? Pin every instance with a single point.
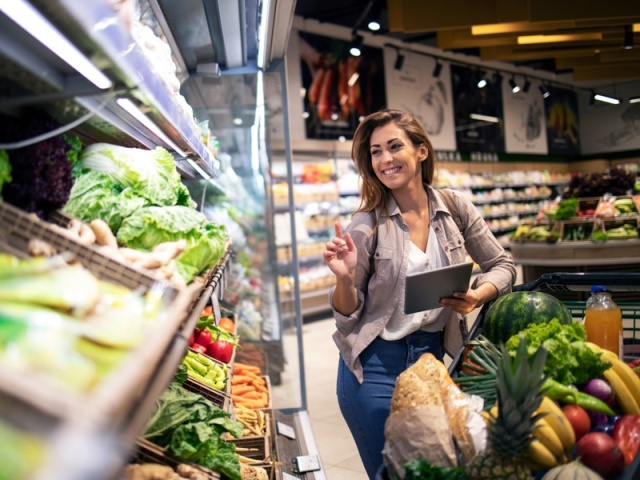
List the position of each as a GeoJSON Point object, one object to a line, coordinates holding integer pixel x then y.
{"type": "Point", "coordinates": [150, 452]}
{"type": "Point", "coordinates": [18, 228]}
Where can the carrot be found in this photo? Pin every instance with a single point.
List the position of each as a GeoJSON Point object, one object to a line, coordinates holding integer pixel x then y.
{"type": "Point", "coordinates": [237, 366]}
{"type": "Point", "coordinates": [239, 379]}
{"type": "Point", "coordinates": [241, 389]}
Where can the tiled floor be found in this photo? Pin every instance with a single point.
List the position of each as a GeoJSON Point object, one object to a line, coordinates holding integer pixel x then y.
{"type": "Point", "coordinates": [338, 452]}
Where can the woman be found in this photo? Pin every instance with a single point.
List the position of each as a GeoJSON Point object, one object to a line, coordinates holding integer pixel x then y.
{"type": "Point", "coordinates": [402, 226]}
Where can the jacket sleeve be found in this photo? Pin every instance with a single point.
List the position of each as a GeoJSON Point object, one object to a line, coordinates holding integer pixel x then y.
{"type": "Point", "coordinates": [361, 230]}
{"type": "Point", "coordinates": [495, 263]}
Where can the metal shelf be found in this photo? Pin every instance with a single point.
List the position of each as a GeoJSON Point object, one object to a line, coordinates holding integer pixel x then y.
{"type": "Point", "coordinates": [98, 31]}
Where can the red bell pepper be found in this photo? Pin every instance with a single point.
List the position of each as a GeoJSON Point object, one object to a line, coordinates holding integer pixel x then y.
{"type": "Point", "coordinates": [626, 434]}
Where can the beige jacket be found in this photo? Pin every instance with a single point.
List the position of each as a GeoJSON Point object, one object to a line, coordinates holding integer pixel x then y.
{"type": "Point", "coordinates": [378, 295]}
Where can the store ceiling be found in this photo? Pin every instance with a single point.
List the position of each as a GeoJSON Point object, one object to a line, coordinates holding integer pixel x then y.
{"type": "Point", "coordinates": [595, 31]}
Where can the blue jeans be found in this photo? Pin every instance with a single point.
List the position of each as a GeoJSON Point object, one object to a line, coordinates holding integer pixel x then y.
{"type": "Point", "coordinates": [365, 407]}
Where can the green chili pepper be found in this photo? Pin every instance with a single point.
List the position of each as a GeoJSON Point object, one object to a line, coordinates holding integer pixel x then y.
{"type": "Point", "coordinates": [562, 393]}
{"type": "Point", "coordinates": [196, 366]}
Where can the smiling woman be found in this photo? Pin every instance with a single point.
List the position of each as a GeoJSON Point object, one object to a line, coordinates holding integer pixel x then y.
{"type": "Point", "coordinates": [404, 226]}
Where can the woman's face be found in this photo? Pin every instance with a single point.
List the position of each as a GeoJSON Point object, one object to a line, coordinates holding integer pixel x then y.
{"type": "Point", "coordinates": [395, 160]}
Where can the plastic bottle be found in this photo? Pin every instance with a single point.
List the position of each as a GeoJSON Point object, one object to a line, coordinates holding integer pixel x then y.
{"type": "Point", "coordinates": [603, 321]}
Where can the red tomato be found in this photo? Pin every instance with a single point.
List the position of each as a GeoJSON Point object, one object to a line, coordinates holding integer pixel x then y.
{"type": "Point", "coordinates": [204, 338]}
{"type": "Point", "coordinates": [199, 348]}
{"type": "Point", "coordinates": [579, 420]}
{"type": "Point", "coordinates": [601, 453]}
{"type": "Point", "coordinates": [220, 350]}
{"type": "Point", "coordinates": [192, 339]}
{"type": "Point", "coordinates": [227, 324]}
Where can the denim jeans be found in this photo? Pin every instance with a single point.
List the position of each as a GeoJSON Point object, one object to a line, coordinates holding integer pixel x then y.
{"type": "Point", "coordinates": [365, 407]}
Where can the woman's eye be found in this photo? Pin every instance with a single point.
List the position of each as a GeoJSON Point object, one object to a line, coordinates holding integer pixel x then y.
{"type": "Point", "coordinates": [395, 146]}
{"type": "Point", "coordinates": [374, 152]}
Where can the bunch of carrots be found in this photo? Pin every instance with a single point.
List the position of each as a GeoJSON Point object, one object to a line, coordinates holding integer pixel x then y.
{"type": "Point", "coordinates": [248, 388]}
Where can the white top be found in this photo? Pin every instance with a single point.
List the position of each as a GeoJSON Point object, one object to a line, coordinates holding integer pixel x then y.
{"type": "Point", "coordinates": [400, 324]}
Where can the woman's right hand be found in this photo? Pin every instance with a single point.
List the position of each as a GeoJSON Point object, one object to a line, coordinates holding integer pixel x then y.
{"type": "Point", "coordinates": [341, 254]}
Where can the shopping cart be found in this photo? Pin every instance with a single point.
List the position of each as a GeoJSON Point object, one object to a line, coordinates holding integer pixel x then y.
{"type": "Point", "coordinates": [573, 289]}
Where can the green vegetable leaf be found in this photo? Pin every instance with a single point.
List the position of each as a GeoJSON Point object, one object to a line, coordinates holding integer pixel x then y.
{"type": "Point", "coordinates": [5, 170]}
{"type": "Point", "coordinates": [569, 360]}
{"type": "Point", "coordinates": [421, 469]}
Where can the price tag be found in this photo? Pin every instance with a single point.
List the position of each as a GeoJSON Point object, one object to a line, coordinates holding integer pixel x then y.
{"type": "Point", "coordinates": [215, 303]}
{"type": "Point", "coordinates": [306, 463]}
{"type": "Point", "coordinates": [286, 430]}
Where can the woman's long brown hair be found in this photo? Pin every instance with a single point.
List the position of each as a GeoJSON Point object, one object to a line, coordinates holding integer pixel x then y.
{"type": "Point", "coordinates": [372, 191]}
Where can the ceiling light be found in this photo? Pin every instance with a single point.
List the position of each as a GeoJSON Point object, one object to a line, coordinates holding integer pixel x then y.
{"type": "Point", "coordinates": [514, 86]}
{"type": "Point", "coordinates": [437, 69]}
{"type": "Point", "coordinates": [544, 91]}
{"type": "Point", "coordinates": [575, 37]}
{"type": "Point", "coordinates": [356, 44]}
{"type": "Point", "coordinates": [634, 100]}
{"type": "Point", "coordinates": [484, 118]}
{"type": "Point", "coordinates": [606, 99]}
{"type": "Point", "coordinates": [42, 30]}
{"type": "Point", "coordinates": [130, 107]}
{"type": "Point", "coordinates": [628, 37]}
{"type": "Point", "coordinates": [482, 83]}
{"type": "Point", "coordinates": [237, 121]}
{"type": "Point", "coordinates": [373, 25]}
{"type": "Point", "coordinates": [399, 60]}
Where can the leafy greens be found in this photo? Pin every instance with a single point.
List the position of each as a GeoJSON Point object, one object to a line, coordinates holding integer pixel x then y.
{"type": "Point", "coordinates": [569, 360]}
{"type": "Point", "coordinates": [190, 426]}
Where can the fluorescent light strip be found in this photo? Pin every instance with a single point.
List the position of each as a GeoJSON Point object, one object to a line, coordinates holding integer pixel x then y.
{"type": "Point", "coordinates": [262, 34]}
{"type": "Point", "coordinates": [634, 100]}
{"type": "Point", "coordinates": [129, 106]}
{"type": "Point", "coordinates": [42, 30]}
{"type": "Point", "coordinates": [606, 99]}
{"type": "Point", "coordinates": [197, 168]}
{"type": "Point", "coordinates": [531, 39]}
{"type": "Point", "coordinates": [484, 118]}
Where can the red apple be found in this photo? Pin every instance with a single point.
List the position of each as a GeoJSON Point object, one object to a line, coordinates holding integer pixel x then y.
{"type": "Point", "coordinates": [221, 350]}
{"type": "Point", "coordinates": [600, 453]}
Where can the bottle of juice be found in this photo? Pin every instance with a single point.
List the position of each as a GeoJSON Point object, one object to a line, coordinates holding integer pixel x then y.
{"type": "Point", "coordinates": [603, 321]}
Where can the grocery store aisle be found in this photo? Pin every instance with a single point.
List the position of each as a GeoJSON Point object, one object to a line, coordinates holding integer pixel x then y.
{"type": "Point", "coordinates": [337, 450]}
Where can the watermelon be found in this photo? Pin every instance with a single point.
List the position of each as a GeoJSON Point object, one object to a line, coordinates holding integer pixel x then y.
{"type": "Point", "coordinates": [512, 312]}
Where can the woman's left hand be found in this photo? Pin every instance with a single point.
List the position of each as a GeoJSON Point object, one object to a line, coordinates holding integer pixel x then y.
{"type": "Point", "coordinates": [462, 302]}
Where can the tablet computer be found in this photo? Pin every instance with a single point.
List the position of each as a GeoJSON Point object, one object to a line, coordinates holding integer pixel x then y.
{"type": "Point", "coordinates": [424, 290]}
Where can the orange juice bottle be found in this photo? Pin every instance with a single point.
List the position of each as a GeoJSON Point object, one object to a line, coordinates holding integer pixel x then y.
{"type": "Point", "coordinates": [603, 321]}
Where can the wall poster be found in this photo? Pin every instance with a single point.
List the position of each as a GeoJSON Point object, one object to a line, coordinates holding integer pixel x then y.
{"type": "Point", "coordinates": [476, 134]}
{"type": "Point", "coordinates": [413, 88]}
{"type": "Point", "coordinates": [524, 118]}
{"type": "Point", "coordinates": [339, 89]}
{"type": "Point", "coordinates": [610, 128]}
{"type": "Point", "coordinates": [562, 122]}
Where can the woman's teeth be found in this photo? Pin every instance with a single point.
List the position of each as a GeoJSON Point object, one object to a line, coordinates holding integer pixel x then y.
{"type": "Point", "coordinates": [391, 171]}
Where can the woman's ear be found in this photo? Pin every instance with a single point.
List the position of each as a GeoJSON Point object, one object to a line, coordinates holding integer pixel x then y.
{"type": "Point", "coordinates": [423, 153]}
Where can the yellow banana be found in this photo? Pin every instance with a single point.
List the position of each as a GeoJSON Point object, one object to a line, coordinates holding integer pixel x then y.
{"type": "Point", "coordinates": [541, 455]}
{"type": "Point", "coordinates": [623, 395]}
{"type": "Point", "coordinates": [626, 374]}
{"type": "Point", "coordinates": [548, 437]}
{"type": "Point", "coordinates": [558, 422]}
{"type": "Point", "coordinates": [594, 347]}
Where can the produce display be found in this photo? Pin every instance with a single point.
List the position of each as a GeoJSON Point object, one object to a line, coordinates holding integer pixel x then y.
{"type": "Point", "coordinates": [553, 404]}
{"type": "Point", "coordinates": [81, 327]}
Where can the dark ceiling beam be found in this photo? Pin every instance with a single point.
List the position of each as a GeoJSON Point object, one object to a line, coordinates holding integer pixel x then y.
{"type": "Point", "coordinates": [606, 72]}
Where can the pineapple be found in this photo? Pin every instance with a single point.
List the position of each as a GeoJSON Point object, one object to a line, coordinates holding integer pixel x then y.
{"type": "Point", "coordinates": [509, 433]}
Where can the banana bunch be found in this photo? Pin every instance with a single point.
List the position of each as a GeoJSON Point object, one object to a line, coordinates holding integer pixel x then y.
{"type": "Point", "coordinates": [624, 382]}
{"type": "Point", "coordinates": [554, 437]}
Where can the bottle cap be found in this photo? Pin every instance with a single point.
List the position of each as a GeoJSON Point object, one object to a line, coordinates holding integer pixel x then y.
{"type": "Point", "coordinates": [598, 288]}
